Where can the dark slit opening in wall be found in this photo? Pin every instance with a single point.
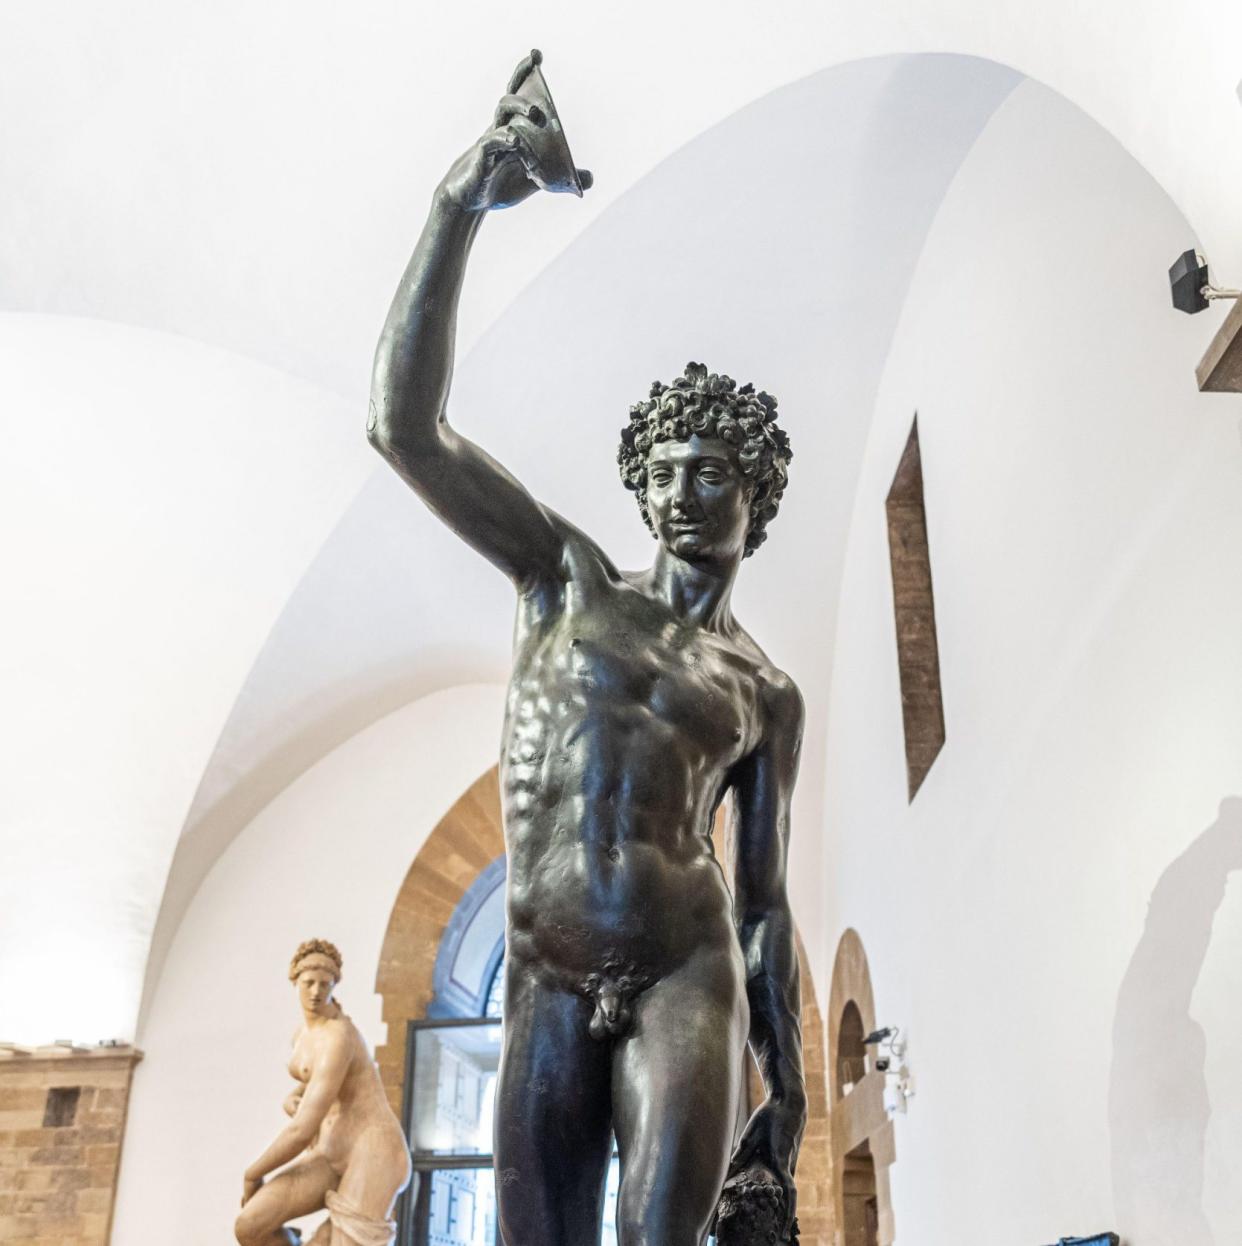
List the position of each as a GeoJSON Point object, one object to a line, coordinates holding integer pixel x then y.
{"type": "Point", "coordinates": [61, 1107]}
{"type": "Point", "coordinates": [914, 612]}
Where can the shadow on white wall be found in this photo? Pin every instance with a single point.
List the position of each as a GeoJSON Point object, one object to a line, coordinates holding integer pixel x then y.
{"type": "Point", "coordinates": [1159, 1105]}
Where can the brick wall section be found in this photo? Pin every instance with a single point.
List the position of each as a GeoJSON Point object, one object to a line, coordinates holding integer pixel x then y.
{"type": "Point", "coordinates": [58, 1181]}
{"type": "Point", "coordinates": [815, 1192]}
{"type": "Point", "coordinates": [914, 612]}
{"type": "Point", "coordinates": [464, 842]}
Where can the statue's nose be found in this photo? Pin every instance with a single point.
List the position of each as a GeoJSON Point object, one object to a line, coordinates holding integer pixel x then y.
{"type": "Point", "coordinates": [685, 504]}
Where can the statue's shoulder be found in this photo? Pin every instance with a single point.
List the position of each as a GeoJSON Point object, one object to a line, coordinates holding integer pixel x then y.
{"type": "Point", "coordinates": [583, 559]}
{"type": "Point", "coordinates": [582, 565]}
{"type": "Point", "coordinates": [783, 700]}
{"type": "Point", "coordinates": [339, 1035]}
{"type": "Point", "coordinates": [779, 697]}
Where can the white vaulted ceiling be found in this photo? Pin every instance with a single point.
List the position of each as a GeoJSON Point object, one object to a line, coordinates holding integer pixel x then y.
{"type": "Point", "coordinates": [206, 209]}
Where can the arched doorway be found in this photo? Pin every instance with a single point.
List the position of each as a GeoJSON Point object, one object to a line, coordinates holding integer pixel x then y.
{"type": "Point", "coordinates": [851, 1051]}
{"type": "Point", "coordinates": [860, 1204]}
{"type": "Point", "coordinates": [862, 1144]}
{"type": "Point", "coordinates": [860, 1218]}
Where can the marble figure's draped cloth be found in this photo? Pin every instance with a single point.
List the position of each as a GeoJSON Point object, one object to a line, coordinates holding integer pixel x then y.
{"type": "Point", "coordinates": [356, 1227]}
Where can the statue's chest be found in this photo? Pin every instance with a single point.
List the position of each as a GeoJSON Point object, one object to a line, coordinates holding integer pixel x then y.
{"type": "Point", "coordinates": [301, 1061]}
{"type": "Point", "coordinates": [678, 677]}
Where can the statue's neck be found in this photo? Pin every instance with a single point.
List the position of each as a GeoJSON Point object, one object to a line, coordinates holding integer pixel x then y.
{"type": "Point", "coordinates": [699, 592]}
{"type": "Point", "coordinates": [315, 1019]}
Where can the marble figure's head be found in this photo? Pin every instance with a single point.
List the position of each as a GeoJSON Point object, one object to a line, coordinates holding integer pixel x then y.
{"type": "Point", "coordinates": [315, 970]}
{"type": "Point", "coordinates": [708, 463]}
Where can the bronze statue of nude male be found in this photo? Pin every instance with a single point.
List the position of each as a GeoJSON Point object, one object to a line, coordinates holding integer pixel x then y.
{"type": "Point", "coordinates": [633, 977]}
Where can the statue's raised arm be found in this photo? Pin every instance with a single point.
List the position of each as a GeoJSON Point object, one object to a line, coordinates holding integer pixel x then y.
{"type": "Point", "coordinates": [521, 151]}
{"type": "Point", "coordinates": [637, 701]}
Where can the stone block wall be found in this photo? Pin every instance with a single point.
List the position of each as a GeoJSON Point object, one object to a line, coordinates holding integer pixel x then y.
{"type": "Point", "coordinates": [815, 1192]}
{"type": "Point", "coordinates": [62, 1119]}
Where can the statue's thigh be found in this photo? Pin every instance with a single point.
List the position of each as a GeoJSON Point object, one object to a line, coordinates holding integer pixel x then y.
{"type": "Point", "coordinates": [297, 1191]}
{"type": "Point", "coordinates": [553, 1120]}
{"type": "Point", "coordinates": [675, 1102]}
{"type": "Point", "coordinates": [377, 1172]}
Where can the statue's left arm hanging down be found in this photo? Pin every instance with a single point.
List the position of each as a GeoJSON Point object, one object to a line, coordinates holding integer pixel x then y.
{"type": "Point", "coordinates": [762, 790]}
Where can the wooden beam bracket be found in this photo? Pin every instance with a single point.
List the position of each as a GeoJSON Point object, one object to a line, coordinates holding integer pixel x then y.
{"type": "Point", "coordinates": [1220, 369]}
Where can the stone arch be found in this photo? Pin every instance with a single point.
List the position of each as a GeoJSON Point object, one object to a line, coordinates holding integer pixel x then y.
{"type": "Point", "coordinates": [861, 1133]}
{"type": "Point", "coordinates": [462, 845]}
{"type": "Point", "coordinates": [815, 1205]}
{"type": "Point", "coordinates": [471, 948]}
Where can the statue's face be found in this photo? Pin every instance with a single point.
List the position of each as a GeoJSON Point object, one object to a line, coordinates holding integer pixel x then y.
{"type": "Point", "coordinates": [698, 499]}
{"type": "Point", "coordinates": [315, 987]}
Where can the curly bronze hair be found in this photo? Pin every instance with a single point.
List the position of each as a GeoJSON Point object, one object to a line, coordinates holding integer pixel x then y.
{"type": "Point", "coordinates": [711, 405]}
{"type": "Point", "coordinates": [315, 947]}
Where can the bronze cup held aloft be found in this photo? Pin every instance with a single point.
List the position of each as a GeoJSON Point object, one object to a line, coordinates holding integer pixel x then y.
{"type": "Point", "coordinates": [554, 167]}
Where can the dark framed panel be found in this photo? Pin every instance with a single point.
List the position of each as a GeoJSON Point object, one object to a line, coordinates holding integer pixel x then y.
{"type": "Point", "coordinates": [450, 1074]}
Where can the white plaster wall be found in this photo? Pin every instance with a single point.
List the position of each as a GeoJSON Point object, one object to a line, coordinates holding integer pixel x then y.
{"type": "Point", "coordinates": [325, 859]}
{"type": "Point", "coordinates": [159, 500]}
{"type": "Point", "coordinates": [1084, 510]}
{"type": "Point", "coordinates": [1215, 1008]}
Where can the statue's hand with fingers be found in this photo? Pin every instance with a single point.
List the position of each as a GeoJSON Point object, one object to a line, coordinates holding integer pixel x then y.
{"type": "Point", "coordinates": [523, 150]}
{"type": "Point", "coordinates": [759, 1200]}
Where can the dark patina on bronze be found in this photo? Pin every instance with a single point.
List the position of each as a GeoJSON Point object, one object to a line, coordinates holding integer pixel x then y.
{"type": "Point", "coordinates": [634, 974]}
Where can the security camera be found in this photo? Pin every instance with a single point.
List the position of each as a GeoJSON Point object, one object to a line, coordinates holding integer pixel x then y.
{"type": "Point", "coordinates": [898, 1081]}
{"type": "Point", "coordinates": [888, 1042]}
{"type": "Point", "coordinates": [1191, 286]}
